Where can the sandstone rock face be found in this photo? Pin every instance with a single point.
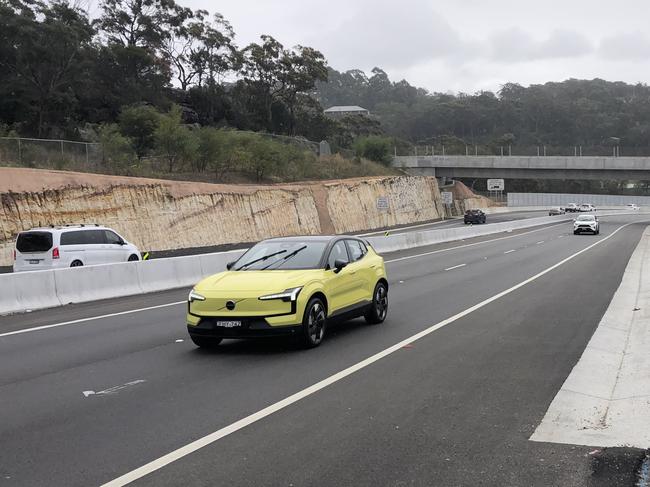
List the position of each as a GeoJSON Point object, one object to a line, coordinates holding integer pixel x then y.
{"type": "Point", "coordinates": [163, 215]}
{"type": "Point", "coordinates": [359, 205]}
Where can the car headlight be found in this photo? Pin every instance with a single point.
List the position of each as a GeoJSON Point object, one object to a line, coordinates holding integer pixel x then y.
{"type": "Point", "coordinates": [194, 296]}
{"type": "Point", "coordinates": [290, 294]}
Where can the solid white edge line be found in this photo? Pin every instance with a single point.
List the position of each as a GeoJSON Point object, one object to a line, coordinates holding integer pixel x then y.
{"type": "Point", "coordinates": [510, 251]}
{"type": "Point", "coordinates": [92, 318]}
{"type": "Point", "coordinates": [455, 267]}
{"type": "Point", "coordinates": [273, 408]}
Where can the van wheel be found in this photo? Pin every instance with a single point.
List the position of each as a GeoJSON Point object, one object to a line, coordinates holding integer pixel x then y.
{"type": "Point", "coordinates": [76, 263]}
{"type": "Point", "coordinates": [133, 258]}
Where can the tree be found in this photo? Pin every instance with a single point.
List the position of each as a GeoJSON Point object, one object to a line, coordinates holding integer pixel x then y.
{"type": "Point", "coordinates": [42, 47]}
{"type": "Point", "coordinates": [201, 51]}
{"type": "Point", "coordinates": [261, 71]}
{"type": "Point", "coordinates": [301, 69]}
{"type": "Point", "coordinates": [139, 123]}
{"type": "Point", "coordinates": [174, 141]}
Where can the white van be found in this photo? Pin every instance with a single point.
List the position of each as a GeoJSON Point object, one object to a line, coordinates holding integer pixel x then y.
{"type": "Point", "coordinates": [71, 246]}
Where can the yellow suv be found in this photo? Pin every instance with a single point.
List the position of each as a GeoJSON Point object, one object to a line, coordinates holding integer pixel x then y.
{"type": "Point", "coordinates": [290, 286]}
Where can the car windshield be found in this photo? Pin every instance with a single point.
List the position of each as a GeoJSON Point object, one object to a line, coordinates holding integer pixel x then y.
{"type": "Point", "coordinates": [282, 255]}
{"type": "Point", "coordinates": [586, 218]}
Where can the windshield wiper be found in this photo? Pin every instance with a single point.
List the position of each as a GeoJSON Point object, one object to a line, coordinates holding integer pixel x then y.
{"type": "Point", "coordinates": [286, 257]}
{"type": "Point", "coordinates": [248, 264]}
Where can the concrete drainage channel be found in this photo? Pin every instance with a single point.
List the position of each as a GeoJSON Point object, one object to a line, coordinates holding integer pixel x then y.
{"type": "Point", "coordinates": [58, 287]}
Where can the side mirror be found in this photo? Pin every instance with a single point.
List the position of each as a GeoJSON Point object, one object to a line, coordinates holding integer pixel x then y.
{"type": "Point", "coordinates": [338, 265]}
{"type": "Point", "coordinates": [121, 242]}
{"type": "Point", "coordinates": [230, 265]}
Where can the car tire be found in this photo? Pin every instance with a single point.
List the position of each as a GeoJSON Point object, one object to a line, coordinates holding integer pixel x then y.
{"type": "Point", "coordinates": [205, 342]}
{"type": "Point", "coordinates": [379, 308]}
{"type": "Point", "coordinates": [133, 258]}
{"type": "Point", "coordinates": [76, 263]}
{"type": "Point", "coordinates": [575, 233]}
{"type": "Point", "coordinates": [597, 232]}
{"type": "Point", "coordinates": [314, 323]}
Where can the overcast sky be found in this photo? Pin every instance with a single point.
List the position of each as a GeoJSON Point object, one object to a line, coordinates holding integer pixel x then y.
{"type": "Point", "coordinates": [458, 45]}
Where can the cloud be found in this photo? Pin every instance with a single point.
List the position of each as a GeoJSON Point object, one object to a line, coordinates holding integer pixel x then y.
{"type": "Point", "coordinates": [381, 33]}
{"type": "Point", "coordinates": [632, 45]}
{"type": "Point", "coordinates": [515, 45]}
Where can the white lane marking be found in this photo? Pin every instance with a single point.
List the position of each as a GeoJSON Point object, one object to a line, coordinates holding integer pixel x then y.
{"type": "Point", "coordinates": [540, 242]}
{"type": "Point", "coordinates": [381, 232]}
{"type": "Point", "coordinates": [424, 254]}
{"type": "Point", "coordinates": [510, 251]}
{"type": "Point", "coordinates": [114, 389]}
{"type": "Point", "coordinates": [190, 448]}
{"type": "Point", "coordinates": [455, 267]}
{"type": "Point", "coordinates": [92, 318]}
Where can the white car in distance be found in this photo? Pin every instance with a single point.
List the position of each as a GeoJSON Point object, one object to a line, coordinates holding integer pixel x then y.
{"type": "Point", "coordinates": [632, 206]}
{"type": "Point", "coordinates": [71, 246]}
{"type": "Point", "coordinates": [586, 224]}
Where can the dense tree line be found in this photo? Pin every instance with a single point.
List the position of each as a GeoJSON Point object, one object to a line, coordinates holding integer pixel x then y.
{"type": "Point", "coordinates": [568, 113]}
{"type": "Point", "coordinates": [62, 72]}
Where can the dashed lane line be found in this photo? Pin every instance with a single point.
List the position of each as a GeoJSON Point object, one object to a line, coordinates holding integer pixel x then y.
{"type": "Point", "coordinates": [455, 267]}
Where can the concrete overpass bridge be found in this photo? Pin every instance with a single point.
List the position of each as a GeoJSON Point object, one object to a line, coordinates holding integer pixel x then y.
{"type": "Point", "coordinates": [523, 167]}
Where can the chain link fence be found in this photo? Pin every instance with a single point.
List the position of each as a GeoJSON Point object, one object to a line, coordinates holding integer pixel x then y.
{"type": "Point", "coordinates": [89, 156]}
{"type": "Point", "coordinates": [50, 154]}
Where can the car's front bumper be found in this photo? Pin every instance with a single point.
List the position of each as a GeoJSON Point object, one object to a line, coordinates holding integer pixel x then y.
{"type": "Point", "coordinates": [585, 229]}
{"type": "Point", "coordinates": [250, 328]}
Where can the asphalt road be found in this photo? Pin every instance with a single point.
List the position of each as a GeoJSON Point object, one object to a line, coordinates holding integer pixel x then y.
{"type": "Point", "coordinates": [458, 222]}
{"type": "Point", "coordinates": [84, 403]}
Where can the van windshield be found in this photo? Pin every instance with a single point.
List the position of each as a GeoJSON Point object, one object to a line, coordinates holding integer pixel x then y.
{"type": "Point", "coordinates": [29, 242]}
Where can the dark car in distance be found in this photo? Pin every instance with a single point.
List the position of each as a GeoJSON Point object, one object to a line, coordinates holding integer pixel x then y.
{"type": "Point", "coordinates": [474, 216]}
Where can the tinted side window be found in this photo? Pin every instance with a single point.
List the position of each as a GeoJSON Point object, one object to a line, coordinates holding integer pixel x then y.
{"type": "Point", "coordinates": [357, 250]}
{"type": "Point", "coordinates": [338, 252]}
{"type": "Point", "coordinates": [34, 242]}
{"type": "Point", "coordinates": [74, 238]}
{"type": "Point", "coordinates": [112, 237]}
{"type": "Point", "coordinates": [83, 237]}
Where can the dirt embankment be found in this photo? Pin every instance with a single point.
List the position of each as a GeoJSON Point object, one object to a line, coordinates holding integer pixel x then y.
{"type": "Point", "coordinates": [164, 215]}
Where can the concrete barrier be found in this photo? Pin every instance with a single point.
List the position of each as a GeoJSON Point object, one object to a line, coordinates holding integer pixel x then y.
{"type": "Point", "coordinates": [161, 274]}
{"type": "Point", "coordinates": [92, 283]}
{"type": "Point", "coordinates": [27, 291]}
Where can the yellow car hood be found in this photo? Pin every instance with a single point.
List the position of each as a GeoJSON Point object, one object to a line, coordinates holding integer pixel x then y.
{"type": "Point", "coordinates": [256, 281]}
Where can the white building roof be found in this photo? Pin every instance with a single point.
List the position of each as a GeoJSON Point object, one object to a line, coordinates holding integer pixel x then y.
{"type": "Point", "coordinates": [352, 108]}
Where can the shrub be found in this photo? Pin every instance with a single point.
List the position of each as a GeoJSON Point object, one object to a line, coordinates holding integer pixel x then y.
{"type": "Point", "coordinates": [139, 123]}
{"type": "Point", "coordinates": [173, 140]}
{"type": "Point", "coordinates": [117, 150]}
{"type": "Point", "coordinates": [374, 148]}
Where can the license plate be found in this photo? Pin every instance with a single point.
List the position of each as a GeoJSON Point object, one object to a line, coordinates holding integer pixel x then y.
{"type": "Point", "coordinates": [228, 324]}
{"type": "Point", "coordinates": [34, 261]}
